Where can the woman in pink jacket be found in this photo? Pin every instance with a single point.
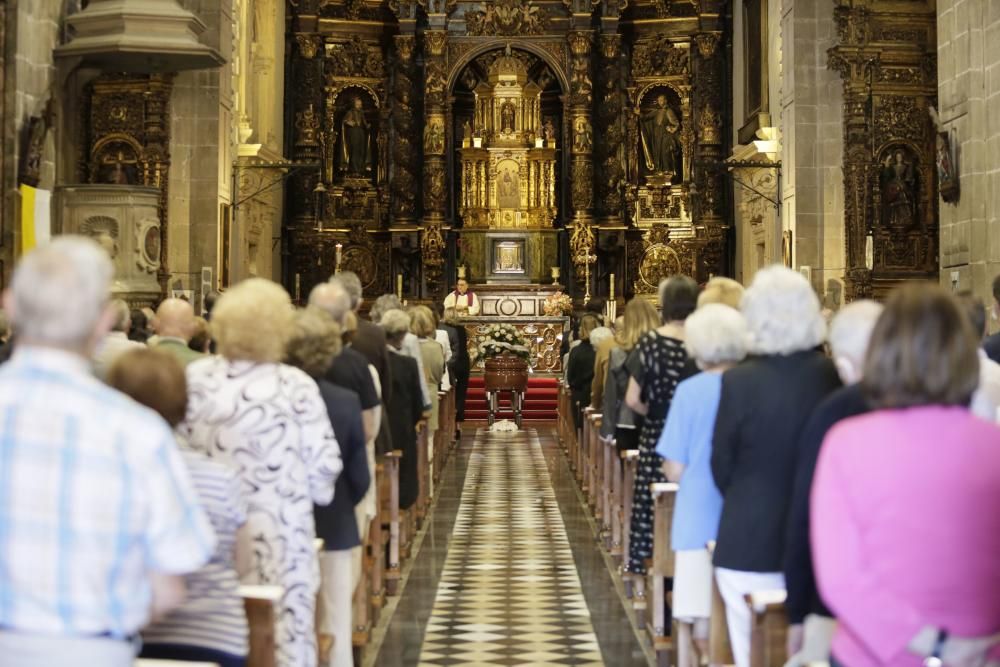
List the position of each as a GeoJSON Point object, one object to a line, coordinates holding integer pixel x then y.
{"type": "Point", "coordinates": [906, 500]}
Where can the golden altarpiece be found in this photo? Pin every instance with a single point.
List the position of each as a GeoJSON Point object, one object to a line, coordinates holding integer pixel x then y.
{"type": "Point", "coordinates": [530, 146]}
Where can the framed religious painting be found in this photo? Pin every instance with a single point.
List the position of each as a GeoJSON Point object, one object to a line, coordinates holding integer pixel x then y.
{"type": "Point", "coordinates": [755, 70]}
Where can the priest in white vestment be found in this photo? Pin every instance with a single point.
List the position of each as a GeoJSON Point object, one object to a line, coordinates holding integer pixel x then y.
{"type": "Point", "coordinates": [462, 300]}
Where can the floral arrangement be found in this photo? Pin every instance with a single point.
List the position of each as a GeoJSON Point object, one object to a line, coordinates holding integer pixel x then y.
{"type": "Point", "coordinates": [500, 338]}
{"type": "Point", "coordinates": [557, 304]}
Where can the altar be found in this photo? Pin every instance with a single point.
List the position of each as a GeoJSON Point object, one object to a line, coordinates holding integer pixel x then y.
{"type": "Point", "coordinates": [543, 334]}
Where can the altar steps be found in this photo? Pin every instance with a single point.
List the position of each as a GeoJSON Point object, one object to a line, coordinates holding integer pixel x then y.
{"type": "Point", "coordinates": [541, 401]}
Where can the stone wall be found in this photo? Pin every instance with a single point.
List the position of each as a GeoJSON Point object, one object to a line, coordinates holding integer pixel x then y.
{"type": "Point", "coordinates": [805, 107]}
{"type": "Point", "coordinates": [969, 100]}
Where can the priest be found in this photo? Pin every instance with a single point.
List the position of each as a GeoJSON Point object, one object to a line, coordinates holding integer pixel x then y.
{"type": "Point", "coordinates": [462, 300]}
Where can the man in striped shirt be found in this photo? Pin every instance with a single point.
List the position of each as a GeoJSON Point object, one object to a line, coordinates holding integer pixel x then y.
{"type": "Point", "coordinates": [98, 518]}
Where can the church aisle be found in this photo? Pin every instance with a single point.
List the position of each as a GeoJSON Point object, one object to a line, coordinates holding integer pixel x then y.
{"type": "Point", "coordinates": [509, 591]}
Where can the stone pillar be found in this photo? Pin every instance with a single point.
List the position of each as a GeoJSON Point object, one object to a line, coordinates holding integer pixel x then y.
{"type": "Point", "coordinates": [432, 243]}
{"type": "Point", "coordinates": [581, 146]}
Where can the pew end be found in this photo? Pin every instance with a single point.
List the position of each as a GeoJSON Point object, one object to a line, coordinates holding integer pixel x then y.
{"type": "Point", "coordinates": [768, 628]}
{"type": "Point", "coordinates": [261, 603]}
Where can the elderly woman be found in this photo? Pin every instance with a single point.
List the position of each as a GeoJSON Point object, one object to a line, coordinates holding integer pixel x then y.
{"type": "Point", "coordinates": [716, 340]}
{"type": "Point", "coordinates": [424, 327]}
{"type": "Point", "coordinates": [764, 404]}
{"type": "Point", "coordinates": [268, 421]}
{"type": "Point", "coordinates": [315, 342]}
{"type": "Point", "coordinates": [405, 408]}
{"type": "Point", "coordinates": [211, 625]}
{"type": "Point", "coordinates": [656, 365]}
{"type": "Point", "coordinates": [904, 522]}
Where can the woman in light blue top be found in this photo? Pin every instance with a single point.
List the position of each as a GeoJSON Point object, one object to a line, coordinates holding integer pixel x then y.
{"type": "Point", "coordinates": [715, 339]}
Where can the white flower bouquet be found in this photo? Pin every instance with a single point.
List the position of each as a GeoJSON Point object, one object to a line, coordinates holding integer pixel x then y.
{"type": "Point", "coordinates": [500, 338]}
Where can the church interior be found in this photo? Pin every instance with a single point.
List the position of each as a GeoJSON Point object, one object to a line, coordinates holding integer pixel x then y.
{"type": "Point", "coordinates": [532, 163]}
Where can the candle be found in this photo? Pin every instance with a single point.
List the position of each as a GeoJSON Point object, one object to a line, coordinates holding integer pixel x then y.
{"type": "Point", "coordinates": [298, 287]}
{"type": "Point", "coordinates": [399, 285]}
{"type": "Point", "coordinates": [612, 286]}
{"type": "Point", "coordinates": [340, 250]}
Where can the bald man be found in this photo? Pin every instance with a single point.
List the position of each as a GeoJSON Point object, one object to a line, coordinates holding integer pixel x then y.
{"type": "Point", "coordinates": [175, 324]}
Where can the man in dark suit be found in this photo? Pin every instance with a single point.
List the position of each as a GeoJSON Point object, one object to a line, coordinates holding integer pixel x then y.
{"type": "Point", "coordinates": [460, 365]}
{"type": "Point", "coordinates": [992, 343]}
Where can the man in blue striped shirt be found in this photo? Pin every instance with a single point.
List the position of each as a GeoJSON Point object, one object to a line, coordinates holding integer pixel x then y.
{"type": "Point", "coordinates": [98, 518]}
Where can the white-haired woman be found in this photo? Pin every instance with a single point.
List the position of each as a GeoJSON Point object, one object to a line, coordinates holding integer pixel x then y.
{"type": "Point", "coordinates": [764, 404]}
{"type": "Point", "coordinates": [715, 337]}
{"type": "Point", "coordinates": [268, 421]}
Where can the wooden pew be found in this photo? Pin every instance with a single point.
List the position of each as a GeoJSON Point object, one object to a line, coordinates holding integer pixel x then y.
{"type": "Point", "coordinates": [630, 461]}
{"type": "Point", "coordinates": [594, 464]}
{"type": "Point", "coordinates": [768, 628]}
{"type": "Point", "coordinates": [720, 652]}
{"type": "Point", "coordinates": [608, 490]}
{"type": "Point", "coordinates": [261, 603]}
{"type": "Point", "coordinates": [153, 662]}
{"type": "Point", "coordinates": [664, 498]}
{"type": "Point", "coordinates": [618, 503]}
{"type": "Point", "coordinates": [392, 517]}
{"type": "Point", "coordinates": [419, 509]}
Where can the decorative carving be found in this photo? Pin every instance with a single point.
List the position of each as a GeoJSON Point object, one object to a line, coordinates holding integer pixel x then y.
{"type": "Point", "coordinates": [658, 56]}
{"type": "Point", "coordinates": [898, 116]}
{"type": "Point", "coordinates": [583, 185]}
{"type": "Point", "coordinates": [581, 248]}
{"type": "Point", "coordinates": [432, 248]}
{"type": "Point", "coordinates": [610, 113]}
{"type": "Point", "coordinates": [506, 17]}
{"type": "Point", "coordinates": [308, 44]}
{"type": "Point", "coordinates": [354, 58]}
{"type": "Point", "coordinates": [581, 85]}
{"type": "Point", "coordinates": [710, 126]}
{"type": "Point", "coordinates": [307, 124]}
{"type": "Point", "coordinates": [707, 43]}
{"type": "Point", "coordinates": [105, 231]}
{"type": "Point", "coordinates": [404, 182]}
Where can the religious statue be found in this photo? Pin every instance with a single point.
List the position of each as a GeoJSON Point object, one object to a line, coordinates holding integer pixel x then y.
{"type": "Point", "coordinates": [507, 118]}
{"type": "Point", "coordinates": [659, 137]}
{"type": "Point", "coordinates": [434, 138]}
{"type": "Point", "coordinates": [307, 124]}
{"type": "Point", "coordinates": [355, 153]}
{"type": "Point", "coordinates": [583, 138]}
{"type": "Point", "coordinates": [549, 131]}
{"type": "Point", "coordinates": [467, 134]}
{"type": "Point", "coordinates": [898, 191]}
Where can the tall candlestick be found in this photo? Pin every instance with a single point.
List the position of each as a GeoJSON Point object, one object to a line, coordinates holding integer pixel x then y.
{"type": "Point", "coordinates": [612, 292]}
{"type": "Point", "coordinates": [298, 287]}
{"type": "Point", "coordinates": [399, 286]}
{"type": "Point", "coordinates": [340, 250]}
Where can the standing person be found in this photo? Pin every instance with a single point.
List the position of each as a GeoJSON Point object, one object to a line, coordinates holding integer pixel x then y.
{"type": "Point", "coordinates": [175, 325]}
{"type": "Point", "coordinates": [811, 624]}
{"type": "Point", "coordinates": [656, 365]}
{"type": "Point", "coordinates": [765, 402]}
{"type": "Point", "coordinates": [905, 532]}
{"type": "Point", "coordinates": [715, 337]}
{"type": "Point", "coordinates": [986, 400]}
{"type": "Point", "coordinates": [406, 408]}
{"type": "Point", "coordinates": [313, 346]}
{"type": "Point", "coordinates": [211, 624]}
{"type": "Point", "coordinates": [461, 364]}
{"type": "Point", "coordinates": [350, 368]}
{"type": "Point", "coordinates": [116, 342]}
{"type": "Point", "coordinates": [580, 369]}
{"type": "Point", "coordinates": [422, 325]}
{"type": "Point", "coordinates": [268, 421]}
{"type": "Point", "coordinates": [73, 466]}
{"type": "Point", "coordinates": [139, 330]}
{"type": "Point", "coordinates": [640, 318]}
{"type": "Point", "coordinates": [466, 303]}
{"type": "Point", "coordinates": [992, 343]}
{"type": "Point", "coordinates": [370, 339]}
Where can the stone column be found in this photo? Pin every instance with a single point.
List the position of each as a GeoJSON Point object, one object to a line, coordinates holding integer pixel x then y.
{"type": "Point", "coordinates": [581, 146]}
{"type": "Point", "coordinates": [432, 243]}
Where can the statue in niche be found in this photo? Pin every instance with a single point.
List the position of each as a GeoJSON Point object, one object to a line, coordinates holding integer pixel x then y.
{"type": "Point", "coordinates": [660, 144]}
{"type": "Point", "coordinates": [899, 191]}
{"type": "Point", "coordinates": [507, 118]}
{"type": "Point", "coordinates": [467, 134]}
{"type": "Point", "coordinates": [355, 141]}
{"type": "Point", "coordinates": [583, 137]}
{"type": "Point", "coordinates": [549, 131]}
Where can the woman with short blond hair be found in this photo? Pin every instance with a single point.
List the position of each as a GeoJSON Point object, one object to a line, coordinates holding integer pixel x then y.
{"type": "Point", "coordinates": [268, 421]}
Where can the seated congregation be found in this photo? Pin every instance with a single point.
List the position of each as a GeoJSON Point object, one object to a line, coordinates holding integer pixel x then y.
{"type": "Point", "coordinates": [778, 486]}
{"type": "Point", "coordinates": [238, 490]}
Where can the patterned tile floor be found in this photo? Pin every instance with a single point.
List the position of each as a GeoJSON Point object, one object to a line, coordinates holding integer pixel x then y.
{"type": "Point", "coordinates": [509, 590]}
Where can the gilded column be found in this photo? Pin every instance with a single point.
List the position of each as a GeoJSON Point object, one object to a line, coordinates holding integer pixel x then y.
{"type": "Point", "coordinates": [404, 181]}
{"type": "Point", "coordinates": [610, 114]}
{"type": "Point", "coordinates": [581, 145]}
{"type": "Point", "coordinates": [435, 140]}
{"type": "Point", "coordinates": [707, 139]}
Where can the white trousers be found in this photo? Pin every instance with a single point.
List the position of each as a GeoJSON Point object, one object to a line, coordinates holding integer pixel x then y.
{"type": "Point", "coordinates": [25, 650]}
{"type": "Point", "coordinates": [733, 585]}
{"type": "Point", "coordinates": [337, 575]}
